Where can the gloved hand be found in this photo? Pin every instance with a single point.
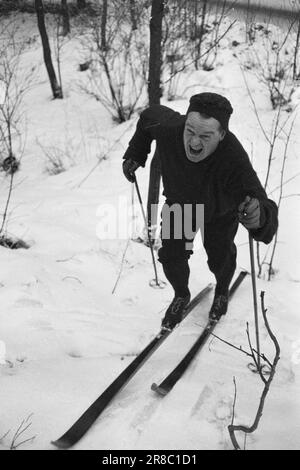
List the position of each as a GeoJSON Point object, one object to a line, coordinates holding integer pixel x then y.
{"type": "Point", "coordinates": [249, 213]}
{"type": "Point", "coordinates": [129, 167]}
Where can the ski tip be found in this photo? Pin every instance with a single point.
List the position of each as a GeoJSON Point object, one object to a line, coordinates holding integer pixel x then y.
{"type": "Point", "coordinates": [61, 444]}
{"type": "Point", "coordinates": [244, 273]}
{"type": "Point", "coordinates": [159, 390]}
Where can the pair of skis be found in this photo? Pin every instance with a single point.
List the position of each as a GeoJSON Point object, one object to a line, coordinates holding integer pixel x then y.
{"type": "Point", "coordinates": [168, 383]}
{"type": "Point", "coordinates": [86, 420]}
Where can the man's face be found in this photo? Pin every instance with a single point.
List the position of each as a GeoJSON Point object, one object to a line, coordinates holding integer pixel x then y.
{"type": "Point", "coordinates": [201, 136]}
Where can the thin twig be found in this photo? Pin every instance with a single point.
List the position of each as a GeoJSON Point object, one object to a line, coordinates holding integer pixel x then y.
{"type": "Point", "coordinates": [234, 401]}
{"type": "Point", "coordinates": [4, 436]}
{"type": "Point", "coordinates": [107, 153]}
{"type": "Point", "coordinates": [185, 66]}
{"type": "Point", "coordinates": [280, 194]}
{"type": "Point", "coordinates": [72, 277]}
{"type": "Point", "coordinates": [23, 427]}
{"type": "Point", "coordinates": [7, 202]}
{"type": "Point", "coordinates": [121, 267]}
{"type": "Point", "coordinates": [284, 183]}
{"type": "Point", "coordinates": [239, 348]}
{"type": "Point", "coordinates": [254, 356]}
{"type": "Point", "coordinates": [232, 429]}
{"type": "Point", "coordinates": [254, 106]}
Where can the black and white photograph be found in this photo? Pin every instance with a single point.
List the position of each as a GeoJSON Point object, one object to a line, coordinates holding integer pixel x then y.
{"type": "Point", "coordinates": [149, 227]}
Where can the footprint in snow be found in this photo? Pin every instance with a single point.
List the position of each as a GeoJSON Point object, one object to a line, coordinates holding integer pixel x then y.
{"type": "Point", "coordinates": [130, 301]}
{"type": "Point", "coordinates": [223, 412]}
{"type": "Point", "coordinates": [285, 374]}
{"type": "Point", "coordinates": [10, 367]}
{"type": "Point", "coordinates": [25, 302]}
{"type": "Point", "coordinates": [41, 325]}
{"type": "Point", "coordinates": [204, 399]}
{"type": "Point", "coordinates": [75, 354]}
{"type": "Point", "coordinates": [143, 416]}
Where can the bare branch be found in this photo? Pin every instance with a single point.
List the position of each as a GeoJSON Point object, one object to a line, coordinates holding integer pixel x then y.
{"type": "Point", "coordinates": [107, 153]}
{"type": "Point", "coordinates": [121, 267]}
{"type": "Point", "coordinates": [281, 193]}
{"type": "Point", "coordinates": [284, 183]}
{"type": "Point", "coordinates": [23, 427]}
{"type": "Point", "coordinates": [232, 428]}
{"type": "Point", "coordinates": [240, 349]}
{"type": "Point", "coordinates": [7, 203]}
{"type": "Point", "coordinates": [210, 48]}
{"type": "Point", "coordinates": [234, 401]}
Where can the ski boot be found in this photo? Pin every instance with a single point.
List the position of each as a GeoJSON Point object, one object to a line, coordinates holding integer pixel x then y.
{"type": "Point", "coordinates": [175, 312]}
{"type": "Point", "coordinates": [219, 306]}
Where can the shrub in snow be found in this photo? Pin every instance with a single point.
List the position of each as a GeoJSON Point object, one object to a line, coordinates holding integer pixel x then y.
{"type": "Point", "coordinates": [13, 243]}
{"type": "Point", "coordinates": [270, 57]}
{"type": "Point", "coordinates": [118, 60]}
{"type": "Point", "coordinates": [10, 165]}
{"type": "Point", "coordinates": [192, 37]}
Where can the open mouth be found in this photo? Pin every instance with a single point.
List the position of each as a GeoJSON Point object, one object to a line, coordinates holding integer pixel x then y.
{"type": "Point", "coordinates": [195, 152]}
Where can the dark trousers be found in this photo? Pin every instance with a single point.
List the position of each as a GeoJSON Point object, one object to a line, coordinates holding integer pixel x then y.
{"type": "Point", "coordinates": [218, 243]}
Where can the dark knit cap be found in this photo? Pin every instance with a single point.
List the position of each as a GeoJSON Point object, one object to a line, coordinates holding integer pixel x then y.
{"type": "Point", "coordinates": [213, 105]}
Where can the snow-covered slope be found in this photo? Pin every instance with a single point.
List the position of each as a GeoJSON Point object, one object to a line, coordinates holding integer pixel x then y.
{"type": "Point", "coordinates": [66, 336]}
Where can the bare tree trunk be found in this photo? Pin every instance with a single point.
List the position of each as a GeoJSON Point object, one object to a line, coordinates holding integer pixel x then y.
{"type": "Point", "coordinates": [195, 18]}
{"type": "Point", "coordinates": [247, 21]}
{"type": "Point", "coordinates": [81, 4]}
{"type": "Point", "coordinates": [66, 17]}
{"type": "Point", "coordinates": [185, 19]}
{"type": "Point", "coordinates": [154, 92]}
{"type": "Point", "coordinates": [297, 46]}
{"type": "Point", "coordinates": [133, 15]}
{"type": "Point", "coordinates": [103, 25]}
{"type": "Point", "coordinates": [56, 90]}
{"type": "Point", "coordinates": [201, 33]}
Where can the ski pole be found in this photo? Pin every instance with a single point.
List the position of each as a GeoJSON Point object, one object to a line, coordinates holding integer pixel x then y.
{"type": "Point", "coordinates": [157, 283]}
{"type": "Point", "coordinates": [253, 276]}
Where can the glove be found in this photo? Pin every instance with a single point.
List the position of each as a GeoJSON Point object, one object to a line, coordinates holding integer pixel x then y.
{"type": "Point", "coordinates": [129, 167]}
{"type": "Point", "coordinates": [249, 213]}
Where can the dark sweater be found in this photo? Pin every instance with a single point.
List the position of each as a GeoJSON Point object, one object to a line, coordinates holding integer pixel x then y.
{"type": "Point", "coordinates": [220, 182]}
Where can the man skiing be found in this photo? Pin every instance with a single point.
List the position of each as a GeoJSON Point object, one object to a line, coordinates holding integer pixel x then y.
{"type": "Point", "coordinates": [202, 163]}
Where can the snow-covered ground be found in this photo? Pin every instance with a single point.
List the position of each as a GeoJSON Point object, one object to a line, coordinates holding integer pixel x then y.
{"type": "Point", "coordinates": [65, 336]}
